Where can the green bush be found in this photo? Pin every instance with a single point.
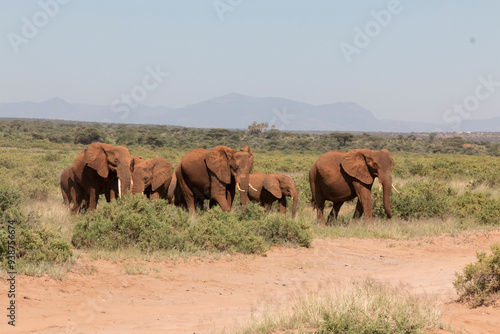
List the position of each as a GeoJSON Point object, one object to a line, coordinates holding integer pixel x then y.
{"type": "Point", "coordinates": [132, 221]}
{"type": "Point", "coordinates": [479, 284]}
{"type": "Point", "coordinates": [418, 199]}
{"type": "Point", "coordinates": [10, 197]}
{"type": "Point", "coordinates": [490, 213]}
{"type": "Point", "coordinates": [135, 221]}
{"type": "Point", "coordinates": [34, 243]}
{"type": "Point", "coordinates": [478, 206]}
{"type": "Point", "coordinates": [470, 204]}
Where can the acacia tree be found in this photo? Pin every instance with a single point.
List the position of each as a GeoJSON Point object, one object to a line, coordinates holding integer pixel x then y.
{"type": "Point", "coordinates": [257, 128]}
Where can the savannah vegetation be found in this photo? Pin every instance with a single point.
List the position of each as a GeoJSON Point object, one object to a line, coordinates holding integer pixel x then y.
{"type": "Point", "coordinates": [448, 184]}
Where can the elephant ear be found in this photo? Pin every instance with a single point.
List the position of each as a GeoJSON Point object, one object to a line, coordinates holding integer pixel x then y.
{"type": "Point", "coordinates": [272, 184]}
{"type": "Point", "coordinates": [96, 158]}
{"type": "Point", "coordinates": [218, 161]}
{"type": "Point", "coordinates": [136, 159]}
{"type": "Point", "coordinates": [162, 171]}
{"type": "Point", "coordinates": [247, 149]}
{"type": "Point", "coordinates": [354, 164]}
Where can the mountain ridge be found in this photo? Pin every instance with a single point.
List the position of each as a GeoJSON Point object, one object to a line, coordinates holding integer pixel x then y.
{"type": "Point", "coordinates": [237, 111]}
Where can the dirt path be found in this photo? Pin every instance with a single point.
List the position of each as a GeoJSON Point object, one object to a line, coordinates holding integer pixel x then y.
{"type": "Point", "coordinates": [205, 296]}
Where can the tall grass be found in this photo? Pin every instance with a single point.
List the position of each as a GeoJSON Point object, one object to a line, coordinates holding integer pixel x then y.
{"type": "Point", "coordinates": [358, 307]}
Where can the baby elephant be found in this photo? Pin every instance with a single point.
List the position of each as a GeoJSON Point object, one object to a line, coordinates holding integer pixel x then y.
{"type": "Point", "coordinates": [152, 177]}
{"type": "Point", "coordinates": [267, 188]}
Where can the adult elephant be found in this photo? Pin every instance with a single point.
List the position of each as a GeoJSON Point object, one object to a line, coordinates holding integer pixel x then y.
{"type": "Point", "coordinates": [102, 168]}
{"type": "Point", "coordinates": [152, 177]}
{"type": "Point", "coordinates": [214, 175]}
{"type": "Point", "coordinates": [268, 188]}
{"type": "Point", "coordinates": [338, 176]}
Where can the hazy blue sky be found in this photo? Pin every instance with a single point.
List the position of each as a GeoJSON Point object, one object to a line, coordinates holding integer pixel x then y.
{"type": "Point", "coordinates": [409, 60]}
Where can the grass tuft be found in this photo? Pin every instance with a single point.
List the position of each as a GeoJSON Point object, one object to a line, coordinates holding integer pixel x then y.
{"type": "Point", "coordinates": [359, 307]}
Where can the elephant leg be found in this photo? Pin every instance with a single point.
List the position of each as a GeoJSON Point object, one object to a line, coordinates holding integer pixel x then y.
{"type": "Point", "coordinates": [190, 204]}
{"type": "Point", "coordinates": [230, 193]}
{"type": "Point", "coordinates": [359, 210]}
{"type": "Point", "coordinates": [111, 196]}
{"type": "Point", "coordinates": [320, 206]}
{"type": "Point", "coordinates": [223, 203]}
{"type": "Point", "coordinates": [77, 196]}
{"type": "Point", "coordinates": [267, 207]}
{"type": "Point", "coordinates": [364, 196]}
{"type": "Point", "coordinates": [186, 196]}
{"type": "Point", "coordinates": [220, 194]}
{"type": "Point", "coordinates": [65, 198]}
{"type": "Point", "coordinates": [334, 213]}
{"type": "Point", "coordinates": [211, 203]}
{"type": "Point", "coordinates": [282, 202]}
{"type": "Point", "coordinates": [108, 195]}
{"type": "Point", "coordinates": [93, 198]}
{"type": "Point", "coordinates": [76, 205]}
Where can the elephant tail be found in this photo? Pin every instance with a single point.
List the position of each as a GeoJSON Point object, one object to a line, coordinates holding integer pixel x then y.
{"type": "Point", "coordinates": [312, 183]}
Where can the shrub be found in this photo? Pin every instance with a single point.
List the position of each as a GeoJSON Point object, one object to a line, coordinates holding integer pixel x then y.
{"type": "Point", "coordinates": [480, 282]}
{"type": "Point", "coordinates": [35, 243]}
{"type": "Point", "coordinates": [470, 204]}
{"type": "Point", "coordinates": [476, 205]}
{"type": "Point", "coordinates": [135, 221]}
{"type": "Point", "coordinates": [10, 197]}
{"type": "Point", "coordinates": [418, 200]}
{"type": "Point", "coordinates": [490, 213]}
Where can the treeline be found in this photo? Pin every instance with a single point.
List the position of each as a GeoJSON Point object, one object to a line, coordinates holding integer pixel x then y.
{"type": "Point", "coordinates": [155, 136]}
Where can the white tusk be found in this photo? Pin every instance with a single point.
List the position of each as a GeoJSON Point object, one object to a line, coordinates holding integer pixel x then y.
{"type": "Point", "coordinates": [393, 187]}
{"type": "Point", "coordinates": [238, 186]}
{"type": "Point", "coordinates": [119, 188]}
{"type": "Point", "coordinates": [131, 184]}
{"type": "Point", "coordinates": [252, 187]}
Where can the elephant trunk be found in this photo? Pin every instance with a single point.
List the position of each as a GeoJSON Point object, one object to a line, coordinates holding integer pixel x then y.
{"type": "Point", "coordinates": [295, 198]}
{"type": "Point", "coordinates": [125, 180]}
{"type": "Point", "coordinates": [243, 186]}
{"type": "Point", "coordinates": [387, 186]}
{"type": "Point", "coordinates": [138, 188]}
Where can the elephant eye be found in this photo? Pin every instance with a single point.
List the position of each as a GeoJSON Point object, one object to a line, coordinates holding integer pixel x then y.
{"type": "Point", "coordinates": [116, 161]}
{"type": "Point", "coordinates": [145, 178]}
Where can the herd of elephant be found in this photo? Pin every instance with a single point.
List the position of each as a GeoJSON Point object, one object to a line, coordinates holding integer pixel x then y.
{"type": "Point", "coordinates": [215, 175]}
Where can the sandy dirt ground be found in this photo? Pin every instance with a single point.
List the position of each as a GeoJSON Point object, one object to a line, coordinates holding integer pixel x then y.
{"type": "Point", "coordinates": [209, 295]}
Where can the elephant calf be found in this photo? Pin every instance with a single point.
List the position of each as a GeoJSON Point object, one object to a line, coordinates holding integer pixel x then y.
{"type": "Point", "coordinates": [152, 177]}
{"type": "Point", "coordinates": [268, 188]}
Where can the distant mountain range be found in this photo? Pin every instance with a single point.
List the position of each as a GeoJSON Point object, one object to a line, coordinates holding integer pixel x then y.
{"type": "Point", "coordinates": [235, 111]}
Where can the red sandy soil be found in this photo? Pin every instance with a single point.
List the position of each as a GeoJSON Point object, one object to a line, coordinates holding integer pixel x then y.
{"type": "Point", "coordinates": [209, 295]}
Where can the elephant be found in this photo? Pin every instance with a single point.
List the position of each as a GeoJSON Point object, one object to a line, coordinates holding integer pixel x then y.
{"type": "Point", "coordinates": [268, 188]}
{"type": "Point", "coordinates": [338, 176]}
{"type": "Point", "coordinates": [102, 168]}
{"type": "Point", "coordinates": [152, 177]}
{"type": "Point", "coordinates": [214, 175]}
